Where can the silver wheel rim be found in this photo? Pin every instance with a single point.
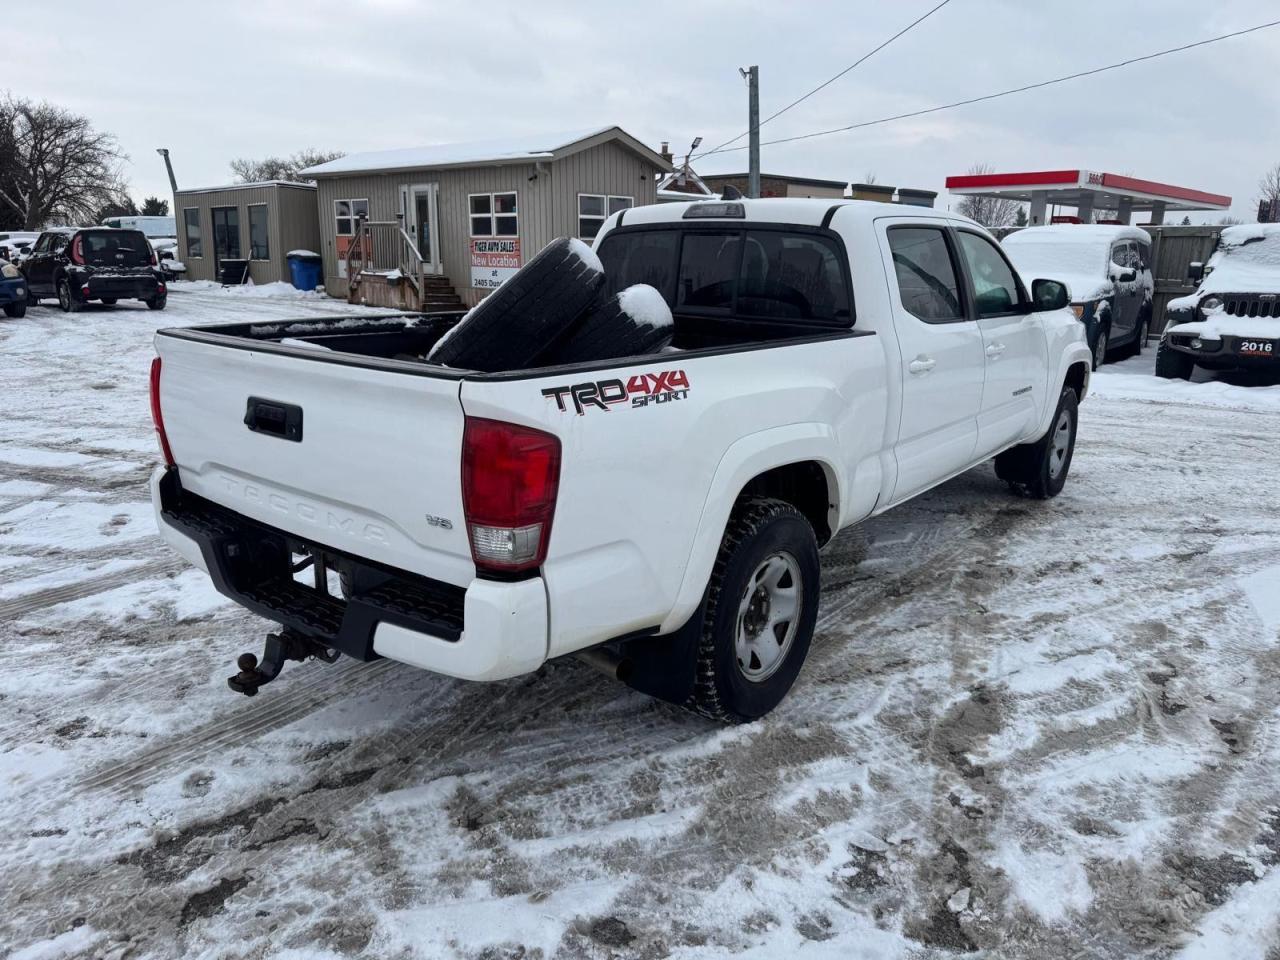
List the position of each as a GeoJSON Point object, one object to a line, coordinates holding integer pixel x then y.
{"type": "Point", "coordinates": [768, 617]}
{"type": "Point", "coordinates": [64, 295]}
{"type": "Point", "coordinates": [1060, 444]}
{"type": "Point", "coordinates": [1100, 351]}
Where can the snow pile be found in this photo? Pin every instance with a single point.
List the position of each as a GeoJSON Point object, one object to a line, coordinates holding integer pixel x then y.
{"type": "Point", "coordinates": [586, 255]}
{"type": "Point", "coordinates": [1078, 254]}
{"type": "Point", "coordinates": [645, 305]}
{"type": "Point", "coordinates": [271, 291]}
{"type": "Point", "coordinates": [1135, 379]}
{"type": "Point", "coordinates": [307, 344]}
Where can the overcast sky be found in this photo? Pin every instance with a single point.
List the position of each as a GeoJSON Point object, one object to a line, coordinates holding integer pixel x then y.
{"type": "Point", "coordinates": [218, 81]}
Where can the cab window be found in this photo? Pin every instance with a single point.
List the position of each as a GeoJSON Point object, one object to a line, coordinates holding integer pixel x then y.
{"type": "Point", "coordinates": [995, 286]}
{"type": "Point", "coordinates": [927, 281]}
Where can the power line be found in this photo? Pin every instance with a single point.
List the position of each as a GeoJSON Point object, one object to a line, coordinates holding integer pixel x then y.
{"type": "Point", "coordinates": [1002, 93]}
{"type": "Point", "coordinates": [827, 83]}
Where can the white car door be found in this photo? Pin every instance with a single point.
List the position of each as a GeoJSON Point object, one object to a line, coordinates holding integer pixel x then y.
{"type": "Point", "coordinates": [940, 351]}
{"type": "Point", "coordinates": [1014, 346]}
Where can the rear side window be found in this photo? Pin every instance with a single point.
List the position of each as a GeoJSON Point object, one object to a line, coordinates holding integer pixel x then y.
{"type": "Point", "coordinates": [995, 287]}
{"type": "Point", "coordinates": [926, 274]}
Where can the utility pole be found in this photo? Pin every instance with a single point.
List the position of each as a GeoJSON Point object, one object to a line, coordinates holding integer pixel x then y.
{"type": "Point", "coordinates": [752, 75]}
{"type": "Point", "coordinates": [168, 166]}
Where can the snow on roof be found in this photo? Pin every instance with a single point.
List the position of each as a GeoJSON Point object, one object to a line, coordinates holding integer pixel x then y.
{"type": "Point", "coordinates": [1100, 234]}
{"type": "Point", "coordinates": [525, 148]}
{"type": "Point", "coordinates": [249, 186]}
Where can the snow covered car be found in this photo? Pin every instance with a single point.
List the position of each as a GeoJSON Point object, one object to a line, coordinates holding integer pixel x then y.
{"type": "Point", "coordinates": [95, 263]}
{"type": "Point", "coordinates": [1233, 320]}
{"type": "Point", "coordinates": [477, 496]}
{"type": "Point", "coordinates": [13, 290]}
{"type": "Point", "coordinates": [1108, 270]}
{"type": "Point", "coordinates": [15, 247]}
{"type": "Point", "coordinates": [165, 249]}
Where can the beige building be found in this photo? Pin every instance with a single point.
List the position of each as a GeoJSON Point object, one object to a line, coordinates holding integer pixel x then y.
{"type": "Point", "coordinates": [426, 226]}
{"type": "Point", "coordinates": [777, 185]}
{"type": "Point", "coordinates": [257, 222]}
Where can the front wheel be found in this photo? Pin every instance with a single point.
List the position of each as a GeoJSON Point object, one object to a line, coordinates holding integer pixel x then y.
{"type": "Point", "coordinates": [15, 310]}
{"type": "Point", "coordinates": [762, 604]}
{"type": "Point", "coordinates": [1173, 364]}
{"type": "Point", "coordinates": [108, 301]}
{"type": "Point", "coordinates": [1100, 345]}
{"type": "Point", "coordinates": [1140, 341]}
{"type": "Point", "coordinates": [1040, 469]}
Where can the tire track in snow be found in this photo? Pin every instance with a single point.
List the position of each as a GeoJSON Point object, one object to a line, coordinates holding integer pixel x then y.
{"type": "Point", "coordinates": [78, 590]}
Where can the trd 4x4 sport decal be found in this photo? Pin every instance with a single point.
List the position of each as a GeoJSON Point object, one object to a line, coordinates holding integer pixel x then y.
{"type": "Point", "coordinates": [642, 390]}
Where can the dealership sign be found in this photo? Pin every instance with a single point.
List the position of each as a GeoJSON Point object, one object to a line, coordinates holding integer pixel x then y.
{"type": "Point", "coordinates": [493, 261]}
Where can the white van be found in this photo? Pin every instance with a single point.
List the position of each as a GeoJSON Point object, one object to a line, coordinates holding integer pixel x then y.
{"type": "Point", "coordinates": [151, 226]}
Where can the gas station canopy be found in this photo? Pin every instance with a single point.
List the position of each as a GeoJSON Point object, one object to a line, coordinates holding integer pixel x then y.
{"type": "Point", "coordinates": [1087, 191]}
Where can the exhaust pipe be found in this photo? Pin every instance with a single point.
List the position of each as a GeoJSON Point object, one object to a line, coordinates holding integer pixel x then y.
{"type": "Point", "coordinates": [606, 661]}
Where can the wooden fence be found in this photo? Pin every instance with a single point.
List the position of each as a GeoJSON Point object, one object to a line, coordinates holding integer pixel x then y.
{"type": "Point", "coordinates": [1173, 250]}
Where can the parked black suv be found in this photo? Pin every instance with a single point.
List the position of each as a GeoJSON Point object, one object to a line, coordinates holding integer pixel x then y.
{"type": "Point", "coordinates": [97, 263]}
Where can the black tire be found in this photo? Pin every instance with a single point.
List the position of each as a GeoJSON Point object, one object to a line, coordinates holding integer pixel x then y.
{"type": "Point", "coordinates": [157, 303]}
{"type": "Point", "coordinates": [1144, 330]}
{"type": "Point", "coordinates": [1172, 364]}
{"type": "Point", "coordinates": [508, 329]}
{"type": "Point", "coordinates": [66, 300]}
{"type": "Point", "coordinates": [1040, 469]}
{"type": "Point", "coordinates": [759, 532]}
{"type": "Point", "coordinates": [1101, 345]}
{"type": "Point", "coordinates": [15, 310]}
{"type": "Point", "coordinates": [109, 301]}
{"type": "Point", "coordinates": [607, 332]}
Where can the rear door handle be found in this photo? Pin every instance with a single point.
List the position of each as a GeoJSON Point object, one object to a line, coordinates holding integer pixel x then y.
{"type": "Point", "coordinates": [994, 350]}
{"type": "Point", "coordinates": [921, 365]}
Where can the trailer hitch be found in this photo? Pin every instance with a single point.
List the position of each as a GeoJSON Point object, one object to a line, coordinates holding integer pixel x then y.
{"type": "Point", "coordinates": [280, 647]}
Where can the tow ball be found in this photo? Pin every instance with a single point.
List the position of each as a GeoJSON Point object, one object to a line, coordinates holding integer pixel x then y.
{"type": "Point", "coordinates": [282, 646]}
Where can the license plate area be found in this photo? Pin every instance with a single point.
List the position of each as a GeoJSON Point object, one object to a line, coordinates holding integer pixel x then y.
{"type": "Point", "coordinates": [1256, 347]}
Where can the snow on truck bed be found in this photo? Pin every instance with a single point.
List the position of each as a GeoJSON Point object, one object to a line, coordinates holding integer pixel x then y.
{"type": "Point", "coordinates": [1025, 728]}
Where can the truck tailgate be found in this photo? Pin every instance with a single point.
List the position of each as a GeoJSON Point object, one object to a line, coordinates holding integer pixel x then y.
{"type": "Point", "coordinates": [363, 460]}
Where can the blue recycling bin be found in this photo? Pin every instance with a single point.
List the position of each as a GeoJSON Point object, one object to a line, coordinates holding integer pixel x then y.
{"type": "Point", "coordinates": [304, 270]}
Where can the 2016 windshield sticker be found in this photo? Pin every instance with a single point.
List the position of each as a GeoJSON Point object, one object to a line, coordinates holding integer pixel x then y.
{"type": "Point", "coordinates": [641, 390]}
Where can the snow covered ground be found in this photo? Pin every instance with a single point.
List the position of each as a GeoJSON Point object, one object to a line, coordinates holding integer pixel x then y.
{"type": "Point", "coordinates": [1028, 729]}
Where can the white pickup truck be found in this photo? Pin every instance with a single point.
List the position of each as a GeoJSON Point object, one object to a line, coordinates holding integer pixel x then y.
{"type": "Point", "coordinates": [658, 514]}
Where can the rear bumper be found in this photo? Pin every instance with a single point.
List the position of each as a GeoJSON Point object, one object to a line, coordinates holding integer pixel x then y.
{"type": "Point", "coordinates": [141, 286]}
{"type": "Point", "coordinates": [487, 631]}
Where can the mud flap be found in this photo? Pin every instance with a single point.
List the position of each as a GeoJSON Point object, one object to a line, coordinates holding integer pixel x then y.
{"type": "Point", "coordinates": [663, 667]}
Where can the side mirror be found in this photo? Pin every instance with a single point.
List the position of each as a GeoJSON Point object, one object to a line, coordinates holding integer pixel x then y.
{"type": "Point", "coordinates": [1049, 295]}
{"type": "Point", "coordinates": [1195, 272]}
{"type": "Point", "coordinates": [1121, 274]}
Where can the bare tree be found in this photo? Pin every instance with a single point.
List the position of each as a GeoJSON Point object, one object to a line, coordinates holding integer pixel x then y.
{"type": "Point", "coordinates": [1269, 190]}
{"type": "Point", "coordinates": [53, 164]}
{"type": "Point", "coordinates": [281, 168]}
{"type": "Point", "coordinates": [988, 211]}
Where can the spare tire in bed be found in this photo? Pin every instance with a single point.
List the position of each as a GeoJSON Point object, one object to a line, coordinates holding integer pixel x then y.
{"type": "Point", "coordinates": [634, 321]}
{"type": "Point", "coordinates": [509, 328]}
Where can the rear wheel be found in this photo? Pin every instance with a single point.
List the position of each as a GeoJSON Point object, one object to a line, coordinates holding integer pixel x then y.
{"type": "Point", "coordinates": [762, 604]}
{"type": "Point", "coordinates": [1144, 330]}
{"type": "Point", "coordinates": [66, 301]}
{"type": "Point", "coordinates": [108, 301]}
{"type": "Point", "coordinates": [1172, 364]}
{"type": "Point", "coordinates": [157, 302]}
{"type": "Point", "coordinates": [1100, 345]}
{"type": "Point", "coordinates": [1040, 469]}
{"type": "Point", "coordinates": [15, 310]}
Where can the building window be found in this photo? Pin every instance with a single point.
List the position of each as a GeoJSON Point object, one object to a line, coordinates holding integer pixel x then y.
{"type": "Point", "coordinates": [595, 208]}
{"type": "Point", "coordinates": [494, 215]}
{"type": "Point", "coordinates": [347, 213]}
{"type": "Point", "coordinates": [259, 247]}
{"type": "Point", "coordinates": [191, 224]}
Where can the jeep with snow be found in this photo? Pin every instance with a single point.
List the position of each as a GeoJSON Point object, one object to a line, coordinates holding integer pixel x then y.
{"type": "Point", "coordinates": [1232, 321]}
{"type": "Point", "coordinates": [632, 453]}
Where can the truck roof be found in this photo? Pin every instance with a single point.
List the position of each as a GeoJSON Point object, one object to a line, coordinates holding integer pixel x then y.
{"type": "Point", "coordinates": [804, 211]}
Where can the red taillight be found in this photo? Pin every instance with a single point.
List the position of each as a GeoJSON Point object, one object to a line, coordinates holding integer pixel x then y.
{"type": "Point", "coordinates": [77, 250]}
{"type": "Point", "coordinates": [154, 261]}
{"type": "Point", "coordinates": [156, 416]}
{"type": "Point", "coordinates": [510, 475]}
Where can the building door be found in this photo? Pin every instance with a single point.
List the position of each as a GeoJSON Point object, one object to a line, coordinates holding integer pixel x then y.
{"type": "Point", "coordinates": [226, 235]}
{"type": "Point", "coordinates": [420, 204]}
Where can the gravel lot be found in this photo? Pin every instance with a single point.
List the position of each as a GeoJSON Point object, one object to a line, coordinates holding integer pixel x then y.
{"type": "Point", "coordinates": [1027, 729]}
